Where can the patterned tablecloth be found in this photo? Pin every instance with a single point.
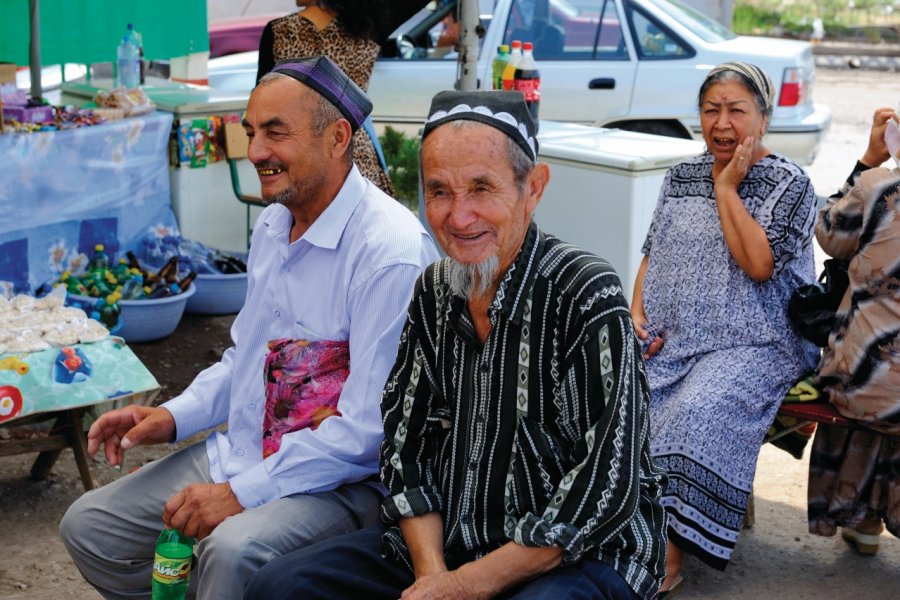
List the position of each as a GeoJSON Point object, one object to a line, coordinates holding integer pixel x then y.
{"type": "Point", "coordinates": [70, 377]}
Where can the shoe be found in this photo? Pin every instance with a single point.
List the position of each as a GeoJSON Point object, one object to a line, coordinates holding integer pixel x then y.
{"type": "Point", "coordinates": [864, 543]}
{"type": "Point", "coordinates": [673, 589]}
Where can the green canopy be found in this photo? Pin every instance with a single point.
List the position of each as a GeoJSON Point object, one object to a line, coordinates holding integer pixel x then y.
{"type": "Point", "coordinates": [89, 31]}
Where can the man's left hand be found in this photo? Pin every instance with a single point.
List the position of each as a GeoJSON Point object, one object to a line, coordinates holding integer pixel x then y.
{"type": "Point", "coordinates": [442, 586]}
{"type": "Point", "coordinates": [199, 508]}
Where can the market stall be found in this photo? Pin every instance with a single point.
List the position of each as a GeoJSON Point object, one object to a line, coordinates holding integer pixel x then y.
{"type": "Point", "coordinates": [62, 192]}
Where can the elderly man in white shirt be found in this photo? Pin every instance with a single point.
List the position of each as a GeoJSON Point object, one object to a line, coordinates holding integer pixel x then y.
{"type": "Point", "coordinates": [332, 266]}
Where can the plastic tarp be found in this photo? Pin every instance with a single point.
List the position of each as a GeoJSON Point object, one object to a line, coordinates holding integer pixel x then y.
{"type": "Point", "coordinates": [89, 31]}
{"type": "Point", "coordinates": [62, 192]}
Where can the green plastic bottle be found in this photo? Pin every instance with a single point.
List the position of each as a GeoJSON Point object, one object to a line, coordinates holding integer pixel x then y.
{"type": "Point", "coordinates": [498, 65]}
{"type": "Point", "coordinates": [109, 310]}
{"type": "Point", "coordinates": [172, 565]}
{"type": "Point", "coordinates": [99, 262]}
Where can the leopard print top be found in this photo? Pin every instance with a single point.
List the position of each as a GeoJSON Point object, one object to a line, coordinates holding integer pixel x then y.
{"type": "Point", "coordinates": [294, 36]}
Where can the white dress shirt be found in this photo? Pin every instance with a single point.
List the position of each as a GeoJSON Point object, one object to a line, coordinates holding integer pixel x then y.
{"type": "Point", "coordinates": [349, 277]}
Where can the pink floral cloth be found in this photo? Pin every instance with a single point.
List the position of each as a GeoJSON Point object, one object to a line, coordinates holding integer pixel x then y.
{"type": "Point", "coordinates": [303, 382]}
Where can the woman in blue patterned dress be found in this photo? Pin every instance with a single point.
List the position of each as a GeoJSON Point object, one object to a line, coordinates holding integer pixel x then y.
{"type": "Point", "coordinates": [731, 238]}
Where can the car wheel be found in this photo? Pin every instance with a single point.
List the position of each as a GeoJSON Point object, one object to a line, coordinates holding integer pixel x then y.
{"type": "Point", "coordinates": [666, 128]}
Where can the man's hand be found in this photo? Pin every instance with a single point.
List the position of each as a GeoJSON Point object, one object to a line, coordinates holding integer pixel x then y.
{"type": "Point", "coordinates": [119, 430]}
{"type": "Point", "coordinates": [199, 508]}
{"type": "Point", "coordinates": [449, 585]}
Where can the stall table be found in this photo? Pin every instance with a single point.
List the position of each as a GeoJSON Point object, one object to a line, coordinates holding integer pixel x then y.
{"type": "Point", "coordinates": [61, 385]}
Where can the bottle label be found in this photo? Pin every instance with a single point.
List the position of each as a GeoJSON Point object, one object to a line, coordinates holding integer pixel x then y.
{"type": "Point", "coordinates": [171, 571]}
{"type": "Point", "coordinates": [531, 88]}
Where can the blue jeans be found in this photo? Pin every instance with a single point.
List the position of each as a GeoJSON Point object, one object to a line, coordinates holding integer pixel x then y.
{"type": "Point", "coordinates": [350, 566]}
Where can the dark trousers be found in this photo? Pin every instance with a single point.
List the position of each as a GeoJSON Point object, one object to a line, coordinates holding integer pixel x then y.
{"type": "Point", "coordinates": [351, 566]}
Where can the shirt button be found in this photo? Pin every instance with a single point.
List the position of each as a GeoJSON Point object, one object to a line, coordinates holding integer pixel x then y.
{"type": "Point", "coordinates": [473, 465]}
{"type": "Point", "coordinates": [252, 406]}
{"type": "Point", "coordinates": [286, 269]}
{"type": "Point", "coordinates": [484, 367]}
{"type": "Point", "coordinates": [480, 417]}
{"type": "Point", "coordinates": [239, 452]}
{"type": "Point", "coordinates": [464, 519]}
{"type": "Point", "coordinates": [277, 313]}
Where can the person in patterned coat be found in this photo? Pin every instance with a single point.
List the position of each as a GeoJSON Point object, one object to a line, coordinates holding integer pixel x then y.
{"type": "Point", "coordinates": [344, 31]}
{"type": "Point", "coordinates": [516, 451]}
{"type": "Point", "coordinates": [854, 476]}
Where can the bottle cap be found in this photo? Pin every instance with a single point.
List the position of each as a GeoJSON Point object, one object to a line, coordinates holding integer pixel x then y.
{"type": "Point", "coordinates": [528, 46]}
{"type": "Point", "coordinates": [98, 248]}
{"type": "Point", "coordinates": [516, 44]}
{"type": "Point", "coordinates": [503, 49]}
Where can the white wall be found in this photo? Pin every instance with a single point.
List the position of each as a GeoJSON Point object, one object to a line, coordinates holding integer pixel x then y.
{"type": "Point", "coordinates": [223, 9]}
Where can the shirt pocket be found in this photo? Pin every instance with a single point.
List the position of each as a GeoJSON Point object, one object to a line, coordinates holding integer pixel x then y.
{"type": "Point", "coordinates": [538, 467]}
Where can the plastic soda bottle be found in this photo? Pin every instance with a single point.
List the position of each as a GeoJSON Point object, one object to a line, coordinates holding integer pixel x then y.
{"type": "Point", "coordinates": [133, 288]}
{"type": "Point", "coordinates": [172, 565]}
{"type": "Point", "coordinates": [120, 271]}
{"type": "Point", "coordinates": [498, 65]}
{"type": "Point", "coordinates": [528, 80]}
{"type": "Point", "coordinates": [509, 71]}
{"type": "Point", "coordinates": [109, 311]}
{"type": "Point", "coordinates": [99, 261]}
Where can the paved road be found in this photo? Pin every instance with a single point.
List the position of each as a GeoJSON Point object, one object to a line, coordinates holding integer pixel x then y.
{"type": "Point", "coordinates": [777, 558]}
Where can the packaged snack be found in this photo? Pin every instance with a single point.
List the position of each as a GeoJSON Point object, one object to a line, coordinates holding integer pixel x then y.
{"type": "Point", "coordinates": [185, 142]}
{"type": "Point", "coordinates": [200, 136]}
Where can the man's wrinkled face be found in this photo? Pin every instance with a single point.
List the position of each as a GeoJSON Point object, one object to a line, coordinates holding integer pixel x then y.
{"type": "Point", "coordinates": [284, 147]}
{"type": "Point", "coordinates": [472, 201]}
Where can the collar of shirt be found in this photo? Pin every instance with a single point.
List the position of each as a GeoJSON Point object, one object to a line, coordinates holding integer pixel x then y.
{"type": "Point", "coordinates": [509, 299]}
{"type": "Point", "coordinates": [326, 231]}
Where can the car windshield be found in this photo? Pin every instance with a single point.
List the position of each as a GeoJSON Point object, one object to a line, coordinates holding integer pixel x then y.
{"type": "Point", "coordinates": [704, 27]}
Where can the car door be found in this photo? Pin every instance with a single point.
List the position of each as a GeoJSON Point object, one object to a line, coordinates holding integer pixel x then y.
{"type": "Point", "coordinates": [585, 58]}
{"type": "Point", "coordinates": [669, 68]}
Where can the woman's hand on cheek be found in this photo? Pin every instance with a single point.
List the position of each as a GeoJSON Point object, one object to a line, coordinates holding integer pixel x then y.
{"type": "Point", "coordinates": [736, 169]}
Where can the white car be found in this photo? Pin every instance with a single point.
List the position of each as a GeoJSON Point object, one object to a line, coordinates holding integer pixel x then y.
{"type": "Point", "coordinates": [630, 64]}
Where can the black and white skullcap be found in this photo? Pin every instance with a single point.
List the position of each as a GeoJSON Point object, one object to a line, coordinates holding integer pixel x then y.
{"type": "Point", "coordinates": [501, 110]}
{"type": "Point", "coordinates": [321, 74]}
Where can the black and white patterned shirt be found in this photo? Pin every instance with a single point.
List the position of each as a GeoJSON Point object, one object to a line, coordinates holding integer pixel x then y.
{"type": "Point", "coordinates": [540, 435]}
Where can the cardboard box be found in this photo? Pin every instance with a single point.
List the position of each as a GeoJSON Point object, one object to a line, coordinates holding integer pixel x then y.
{"type": "Point", "coordinates": [22, 114]}
{"type": "Point", "coordinates": [7, 72]}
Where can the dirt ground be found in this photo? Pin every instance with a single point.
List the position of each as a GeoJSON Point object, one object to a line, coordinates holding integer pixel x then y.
{"type": "Point", "coordinates": [776, 558]}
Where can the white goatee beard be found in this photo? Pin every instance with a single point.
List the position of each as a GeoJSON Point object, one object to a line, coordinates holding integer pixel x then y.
{"type": "Point", "coordinates": [466, 278]}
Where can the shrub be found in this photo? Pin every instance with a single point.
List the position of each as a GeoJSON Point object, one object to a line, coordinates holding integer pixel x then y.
{"type": "Point", "coordinates": [402, 155]}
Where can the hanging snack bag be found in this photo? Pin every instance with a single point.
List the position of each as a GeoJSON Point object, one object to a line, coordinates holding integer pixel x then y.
{"type": "Point", "coordinates": [185, 142]}
{"type": "Point", "coordinates": [216, 140]}
{"type": "Point", "coordinates": [200, 136]}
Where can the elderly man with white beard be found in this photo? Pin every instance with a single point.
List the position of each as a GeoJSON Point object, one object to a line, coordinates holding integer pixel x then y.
{"type": "Point", "coordinates": [516, 450]}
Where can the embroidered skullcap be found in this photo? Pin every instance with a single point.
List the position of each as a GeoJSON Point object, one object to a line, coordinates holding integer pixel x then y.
{"type": "Point", "coordinates": [321, 74]}
{"type": "Point", "coordinates": [505, 111]}
{"type": "Point", "coordinates": [761, 85]}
